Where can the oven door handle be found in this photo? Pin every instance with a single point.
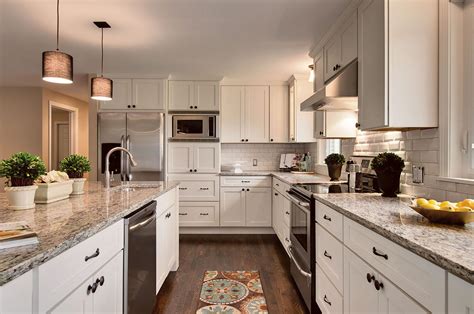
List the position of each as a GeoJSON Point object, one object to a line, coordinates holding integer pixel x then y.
{"type": "Point", "coordinates": [295, 200]}
{"type": "Point", "coordinates": [300, 269]}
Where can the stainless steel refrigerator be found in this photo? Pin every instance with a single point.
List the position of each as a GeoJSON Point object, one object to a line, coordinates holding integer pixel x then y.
{"type": "Point", "coordinates": [142, 134]}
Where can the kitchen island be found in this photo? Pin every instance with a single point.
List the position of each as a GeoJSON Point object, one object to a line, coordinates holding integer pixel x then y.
{"type": "Point", "coordinates": [69, 226]}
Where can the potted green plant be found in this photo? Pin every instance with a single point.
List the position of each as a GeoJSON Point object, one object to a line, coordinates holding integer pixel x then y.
{"type": "Point", "coordinates": [334, 163]}
{"type": "Point", "coordinates": [21, 171]}
{"type": "Point", "coordinates": [75, 166]}
{"type": "Point", "coordinates": [388, 167]}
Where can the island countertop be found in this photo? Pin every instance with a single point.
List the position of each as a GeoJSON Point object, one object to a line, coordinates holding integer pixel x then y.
{"type": "Point", "coordinates": [61, 225]}
{"type": "Point", "coordinates": [450, 247]}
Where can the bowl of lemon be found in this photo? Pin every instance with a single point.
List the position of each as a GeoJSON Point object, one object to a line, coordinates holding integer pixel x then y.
{"type": "Point", "coordinates": [446, 212]}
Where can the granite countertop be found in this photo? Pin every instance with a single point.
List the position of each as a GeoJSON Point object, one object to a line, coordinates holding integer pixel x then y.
{"type": "Point", "coordinates": [287, 177]}
{"type": "Point", "coordinates": [450, 247]}
{"type": "Point", "coordinates": [63, 224]}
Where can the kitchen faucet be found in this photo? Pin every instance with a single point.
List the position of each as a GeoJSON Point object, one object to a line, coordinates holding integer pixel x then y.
{"type": "Point", "coordinates": [107, 162]}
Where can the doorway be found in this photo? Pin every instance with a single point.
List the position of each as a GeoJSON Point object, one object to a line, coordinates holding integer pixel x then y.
{"type": "Point", "coordinates": [62, 133]}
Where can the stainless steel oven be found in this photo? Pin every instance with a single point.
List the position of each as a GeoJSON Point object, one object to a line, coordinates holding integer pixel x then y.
{"type": "Point", "coordinates": [301, 247]}
{"type": "Point", "coordinates": [194, 126]}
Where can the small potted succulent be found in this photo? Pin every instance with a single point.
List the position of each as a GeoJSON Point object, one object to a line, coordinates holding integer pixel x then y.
{"type": "Point", "coordinates": [21, 171]}
{"type": "Point", "coordinates": [388, 167]}
{"type": "Point", "coordinates": [75, 166]}
{"type": "Point", "coordinates": [52, 187]}
{"type": "Point", "coordinates": [334, 163]}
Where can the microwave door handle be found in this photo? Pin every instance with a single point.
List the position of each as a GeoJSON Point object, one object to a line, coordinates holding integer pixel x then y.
{"type": "Point", "coordinates": [122, 156]}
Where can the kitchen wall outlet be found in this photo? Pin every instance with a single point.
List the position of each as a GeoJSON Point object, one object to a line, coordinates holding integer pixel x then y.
{"type": "Point", "coordinates": [418, 173]}
{"type": "Point", "coordinates": [255, 163]}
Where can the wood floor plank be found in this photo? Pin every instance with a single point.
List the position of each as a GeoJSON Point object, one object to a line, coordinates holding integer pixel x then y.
{"type": "Point", "coordinates": [198, 253]}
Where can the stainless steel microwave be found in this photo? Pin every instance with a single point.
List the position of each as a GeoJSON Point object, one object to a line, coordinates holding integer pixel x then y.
{"type": "Point", "coordinates": [195, 126]}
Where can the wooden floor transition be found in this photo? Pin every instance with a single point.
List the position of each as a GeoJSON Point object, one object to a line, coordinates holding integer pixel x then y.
{"type": "Point", "coordinates": [198, 253]}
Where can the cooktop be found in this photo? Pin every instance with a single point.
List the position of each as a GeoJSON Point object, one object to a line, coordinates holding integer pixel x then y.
{"type": "Point", "coordinates": [320, 188]}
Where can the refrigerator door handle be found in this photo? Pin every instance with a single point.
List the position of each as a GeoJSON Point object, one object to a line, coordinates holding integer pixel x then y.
{"type": "Point", "coordinates": [122, 157]}
{"type": "Point", "coordinates": [129, 148]}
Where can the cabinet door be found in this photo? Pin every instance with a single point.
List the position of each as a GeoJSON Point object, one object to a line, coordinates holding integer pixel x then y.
{"type": "Point", "coordinates": [122, 96]}
{"type": "Point", "coordinates": [349, 41]}
{"type": "Point", "coordinates": [460, 295]}
{"type": "Point", "coordinates": [292, 108]}
{"type": "Point", "coordinates": [303, 119]}
{"type": "Point", "coordinates": [373, 107]}
{"type": "Point", "coordinates": [360, 296]}
{"type": "Point", "coordinates": [232, 120]}
{"type": "Point", "coordinates": [276, 213]}
{"type": "Point", "coordinates": [232, 207]}
{"type": "Point", "coordinates": [206, 158]}
{"type": "Point", "coordinates": [319, 124]}
{"type": "Point", "coordinates": [340, 124]}
{"type": "Point", "coordinates": [332, 57]}
{"type": "Point", "coordinates": [163, 249]}
{"type": "Point", "coordinates": [181, 95]}
{"type": "Point", "coordinates": [258, 207]}
{"type": "Point", "coordinates": [149, 94]}
{"type": "Point", "coordinates": [108, 297]}
{"type": "Point", "coordinates": [172, 230]}
{"type": "Point", "coordinates": [279, 114]}
{"type": "Point", "coordinates": [318, 72]}
{"type": "Point", "coordinates": [256, 113]}
{"type": "Point", "coordinates": [206, 95]}
{"type": "Point", "coordinates": [78, 301]}
{"type": "Point", "coordinates": [180, 157]}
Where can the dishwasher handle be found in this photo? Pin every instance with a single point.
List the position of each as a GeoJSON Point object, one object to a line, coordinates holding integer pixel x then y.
{"type": "Point", "coordinates": [143, 223]}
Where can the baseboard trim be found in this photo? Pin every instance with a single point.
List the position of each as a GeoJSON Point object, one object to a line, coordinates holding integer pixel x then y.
{"type": "Point", "coordinates": [226, 230]}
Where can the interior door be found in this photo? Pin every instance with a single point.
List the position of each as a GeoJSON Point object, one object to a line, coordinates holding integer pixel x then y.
{"type": "Point", "coordinates": [232, 114]}
{"type": "Point", "coordinates": [257, 114]}
{"type": "Point", "coordinates": [145, 140]}
{"type": "Point", "coordinates": [112, 133]}
{"type": "Point", "coordinates": [258, 209]}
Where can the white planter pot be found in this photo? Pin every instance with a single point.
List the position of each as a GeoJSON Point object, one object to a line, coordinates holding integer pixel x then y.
{"type": "Point", "coordinates": [53, 192]}
{"type": "Point", "coordinates": [21, 197]}
{"type": "Point", "coordinates": [78, 186]}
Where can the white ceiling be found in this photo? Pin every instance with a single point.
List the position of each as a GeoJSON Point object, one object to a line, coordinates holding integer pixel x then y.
{"type": "Point", "coordinates": [235, 39]}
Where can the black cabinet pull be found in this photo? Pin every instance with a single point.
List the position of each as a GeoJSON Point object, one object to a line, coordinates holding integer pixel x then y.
{"type": "Point", "coordinates": [96, 253]}
{"type": "Point", "coordinates": [183, 214]}
{"type": "Point", "coordinates": [326, 300]}
{"type": "Point", "coordinates": [204, 189]}
{"type": "Point", "coordinates": [286, 239]}
{"type": "Point", "coordinates": [183, 189]}
{"type": "Point", "coordinates": [271, 140]}
{"type": "Point", "coordinates": [243, 190]}
{"type": "Point", "coordinates": [378, 285]}
{"type": "Point", "coordinates": [374, 250]}
{"type": "Point", "coordinates": [370, 277]}
{"type": "Point", "coordinates": [246, 139]}
{"type": "Point", "coordinates": [190, 107]}
{"type": "Point", "coordinates": [242, 140]}
{"type": "Point", "coordinates": [327, 255]}
{"type": "Point", "coordinates": [327, 218]}
{"type": "Point", "coordinates": [248, 190]}
{"type": "Point", "coordinates": [190, 170]}
{"type": "Point", "coordinates": [195, 107]}
{"type": "Point", "coordinates": [133, 106]}
{"type": "Point", "coordinates": [102, 280]}
{"type": "Point", "coordinates": [204, 214]}
{"type": "Point", "coordinates": [276, 194]}
{"type": "Point", "coordinates": [94, 287]}
{"type": "Point", "coordinates": [168, 215]}
{"type": "Point", "coordinates": [287, 212]}
{"type": "Point", "coordinates": [128, 106]}
{"type": "Point", "coordinates": [357, 125]}
{"type": "Point", "coordinates": [277, 184]}
{"type": "Point", "coordinates": [89, 289]}
{"type": "Point", "coordinates": [195, 170]}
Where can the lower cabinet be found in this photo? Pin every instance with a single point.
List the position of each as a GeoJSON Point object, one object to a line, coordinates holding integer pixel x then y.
{"type": "Point", "coordinates": [460, 295]}
{"type": "Point", "coordinates": [198, 214]}
{"type": "Point", "coordinates": [281, 209]}
{"type": "Point", "coordinates": [367, 291]}
{"type": "Point", "coordinates": [245, 207]}
{"type": "Point", "coordinates": [327, 296]}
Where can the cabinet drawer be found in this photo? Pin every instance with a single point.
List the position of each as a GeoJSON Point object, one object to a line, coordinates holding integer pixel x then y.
{"type": "Point", "coordinates": [329, 256]}
{"type": "Point", "coordinates": [198, 214]}
{"type": "Point", "coordinates": [327, 297]}
{"type": "Point", "coordinates": [280, 186]}
{"type": "Point", "coordinates": [330, 219]}
{"type": "Point", "coordinates": [165, 201]}
{"type": "Point", "coordinates": [203, 188]}
{"type": "Point", "coordinates": [253, 181]}
{"type": "Point", "coordinates": [419, 278]}
{"type": "Point", "coordinates": [59, 276]}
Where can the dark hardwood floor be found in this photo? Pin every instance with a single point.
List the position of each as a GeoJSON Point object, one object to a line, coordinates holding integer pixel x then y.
{"type": "Point", "coordinates": [198, 253]}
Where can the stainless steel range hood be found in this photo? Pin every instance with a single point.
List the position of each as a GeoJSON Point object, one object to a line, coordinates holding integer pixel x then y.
{"type": "Point", "coordinates": [340, 93]}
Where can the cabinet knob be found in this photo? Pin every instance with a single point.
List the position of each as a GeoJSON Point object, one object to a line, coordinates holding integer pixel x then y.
{"type": "Point", "coordinates": [287, 212]}
{"type": "Point", "coordinates": [133, 106]}
{"type": "Point", "coordinates": [195, 107]}
{"type": "Point", "coordinates": [190, 170]}
{"type": "Point", "coordinates": [248, 190]}
{"type": "Point", "coordinates": [334, 68]}
{"type": "Point", "coordinates": [190, 107]}
{"type": "Point", "coordinates": [242, 140]}
{"type": "Point", "coordinates": [102, 280]}
{"type": "Point", "coordinates": [195, 170]}
{"type": "Point", "coordinates": [246, 139]}
{"type": "Point", "coordinates": [271, 140]}
{"type": "Point", "coordinates": [357, 125]}
{"type": "Point", "coordinates": [321, 133]}
{"type": "Point", "coordinates": [128, 106]}
{"type": "Point", "coordinates": [243, 190]}
{"type": "Point", "coordinates": [370, 277]}
{"type": "Point", "coordinates": [378, 285]}
{"type": "Point", "coordinates": [292, 138]}
{"type": "Point", "coordinates": [276, 194]}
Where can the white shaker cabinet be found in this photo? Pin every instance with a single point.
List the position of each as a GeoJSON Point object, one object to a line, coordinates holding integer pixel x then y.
{"type": "Point", "coordinates": [186, 157]}
{"type": "Point", "coordinates": [206, 95]}
{"type": "Point", "coordinates": [279, 111]}
{"type": "Point", "coordinates": [257, 114]}
{"type": "Point", "coordinates": [122, 96]}
{"type": "Point", "coordinates": [232, 207]}
{"type": "Point", "coordinates": [335, 124]}
{"type": "Point", "coordinates": [392, 67]}
{"type": "Point", "coordinates": [258, 210]}
{"type": "Point", "coordinates": [301, 122]}
{"type": "Point", "coordinates": [232, 114]}
{"type": "Point", "coordinates": [193, 95]}
{"type": "Point", "coordinates": [460, 295]}
{"type": "Point", "coordinates": [16, 296]}
{"type": "Point", "coordinates": [181, 95]}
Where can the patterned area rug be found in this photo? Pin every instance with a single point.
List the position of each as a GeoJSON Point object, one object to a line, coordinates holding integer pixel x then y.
{"type": "Point", "coordinates": [232, 292]}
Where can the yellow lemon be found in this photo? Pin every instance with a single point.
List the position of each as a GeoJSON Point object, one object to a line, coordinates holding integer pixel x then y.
{"type": "Point", "coordinates": [463, 209]}
{"type": "Point", "coordinates": [464, 203]}
{"type": "Point", "coordinates": [471, 204]}
{"type": "Point", "coordinates": [421, 201]}
{"type": "Point", "coordinates": [430, 206]}
{"type": "Point", "coordinates": [433, 202]}
{"type": "Point", "coordinates": [445, 204]}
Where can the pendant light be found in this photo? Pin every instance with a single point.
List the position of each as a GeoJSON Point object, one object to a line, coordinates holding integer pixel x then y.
{"type": "Point", "coordinates": [57, 65]}
{"type": "Point", "coordinates": [311, 73]}
{"type": "Point", "coordinates": [102, 87]}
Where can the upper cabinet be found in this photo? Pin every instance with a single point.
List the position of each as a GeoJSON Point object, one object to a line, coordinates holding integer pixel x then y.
{"type": "Point", "coordinates": [301, 122]}
{"type": "Point", "coordinates": [279, 114]}
{"type": "Point", "coordinates": [341, 49]}
{"type": "Point", "coordinates": [398, 74]}
{"type": "Point", "coordinates": [193, 95]}
{"type": "Point", "coordinates": [335, 124]}
{"type": "Point", "coordinates": [245, 114]}
{"type": "Point", "coordinates": [137, 94]}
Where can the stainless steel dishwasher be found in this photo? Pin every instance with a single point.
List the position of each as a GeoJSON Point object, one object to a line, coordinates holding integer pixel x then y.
{"type": "Point", "coordinates": [140, 260]}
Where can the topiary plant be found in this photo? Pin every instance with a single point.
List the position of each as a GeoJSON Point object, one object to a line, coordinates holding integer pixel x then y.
{"type": "Point", "coordinates": [388, 162]}
{"type": "Point", "coordinates": [22, 169]}
{"type": "Point", "coordinates": [335, 159]}
{"type": "Point", "coordinates": [75, 165]}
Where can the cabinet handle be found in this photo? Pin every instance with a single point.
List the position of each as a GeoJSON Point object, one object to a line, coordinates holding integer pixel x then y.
{"type": "Point", "coordinates": [271, 140]}
{"type": "Point", "coordinates": [96, 253]}
{"type": "Point", "coordinates": [327, 218]}
{"type": "Point", "coordinates": [242, 140]}
{"type": "Point", "coordinates": [89, 289]}
{"type": "Point", "coordinates": [245, 181]}
{"type": "Point", "coordinates": [357, 125]}
{"type": "Point", "coordinates": [190, 170]}
{"type": "Point", "coordinates": [374, 250]}
{"type": "Point", "coordinates": [204, 214]}
{"type": "Point", "coordinates": [370, 277]}
{"type": "Point", "coordinates": [292, 138]}
{"type": "Point", "coordinates": [128, 106]}
{"type": "Point", "coordinates": [246, 139]}
{"type": "Point", "coordinates": [195, 170]}
{"type": "Point", "coordinates": [276, 194]}
{"type": "Point", "coordinates": [321, 132]}
{"type": "Point", "coordinates": [378, 285]}
{"type": "Point", "coordinates": [102, 280]}
{"type": "Point", "coordinates": [243, 190]}
{"type": "Point", "coordinates": [277, 184]}
{"type": "Point", "coordinates": [195, 107]}
{"type": "Point", "coordinates": [334, 68]}
{"type": "Point", "coordinates": [190, 107]}
{"type": "Point", "coordinates": [204, 189]}
{"type": "Point", "coordinates": [327, 255]}
{"type": "Point", "coordinates": [168, 215]}
{"type": "Point", "coordinates": [287, 212]}
{"type": "Point", "coordinates": [183, 189]}
{"type": "Point", "coordinates": [133, 106]}
{"type": "Point", "coordinates": [183, 214]}
{"type": "Point", "coordinates": [248, 190]}
{"type": "Point", "coordinates": [286, 239]}
{"type": "Point", "coordinates": [94, 287]}
{"type": "Point", "coordinates": [326, 300]}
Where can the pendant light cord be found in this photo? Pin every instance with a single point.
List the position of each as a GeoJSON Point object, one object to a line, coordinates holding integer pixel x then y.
{"type": "Point", "coordinates": [57, 26]}
{"type": "Point", "coordinates": [102, 59]}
